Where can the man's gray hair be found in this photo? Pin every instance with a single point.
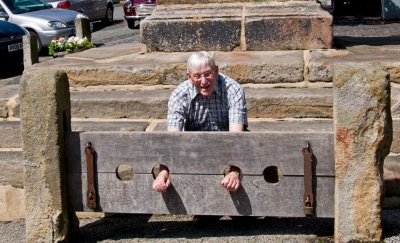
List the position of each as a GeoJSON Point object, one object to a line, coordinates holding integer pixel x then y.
{"type": "Point", "coordinates": [198, 60]}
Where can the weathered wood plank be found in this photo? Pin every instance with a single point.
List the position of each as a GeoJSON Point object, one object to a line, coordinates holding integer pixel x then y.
{"type": "Point", "coordinates": [203, 195]}
{"type": "Point", "coordinates": [202, 152]}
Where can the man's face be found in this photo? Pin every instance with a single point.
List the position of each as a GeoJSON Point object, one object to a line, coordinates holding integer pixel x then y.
{"type": "Point", "coordinates": [204, 79]}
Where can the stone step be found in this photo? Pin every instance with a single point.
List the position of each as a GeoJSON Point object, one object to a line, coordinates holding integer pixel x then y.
{"type": "Point", "coordinates": [151, 103]}
{"type": "Point", "coordinates": [293, 68]}
{"type": "Point", "coordinates": [274, 103]}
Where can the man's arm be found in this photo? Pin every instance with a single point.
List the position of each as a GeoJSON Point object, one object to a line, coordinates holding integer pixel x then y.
{"type": "Point", "coordinates": [236, 127]}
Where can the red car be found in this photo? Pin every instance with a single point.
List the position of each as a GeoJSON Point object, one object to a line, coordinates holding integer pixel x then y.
{"type": "Point", "coordinates": [136, 10]}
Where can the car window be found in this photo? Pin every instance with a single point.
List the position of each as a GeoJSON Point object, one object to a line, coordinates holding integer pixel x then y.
{"type": "Point", "coordinates": [24, 6]}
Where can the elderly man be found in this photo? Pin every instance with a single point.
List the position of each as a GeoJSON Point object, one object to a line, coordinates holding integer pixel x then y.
{"type": "Point", "coordinates": [207, 101]}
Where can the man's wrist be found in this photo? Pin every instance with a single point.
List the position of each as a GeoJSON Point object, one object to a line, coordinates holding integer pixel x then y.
{"type": "Point", "coordinates": [231, 169]}
{"type": "Point", "coordinates": [235, 173]}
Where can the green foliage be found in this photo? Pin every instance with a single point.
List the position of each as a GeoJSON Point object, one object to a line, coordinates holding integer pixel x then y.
{"type": "Point", "coordinates": [69, 45]}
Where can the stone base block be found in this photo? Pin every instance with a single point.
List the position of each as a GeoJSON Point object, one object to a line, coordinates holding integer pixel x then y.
{"type": "Point", "coordinates": [246, 26]}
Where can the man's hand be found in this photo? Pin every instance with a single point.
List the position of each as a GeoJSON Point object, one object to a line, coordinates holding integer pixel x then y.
{"type": "Point", "coordinates": [162, 182]}
{"type": "Point", "coordinates": [231, 181]}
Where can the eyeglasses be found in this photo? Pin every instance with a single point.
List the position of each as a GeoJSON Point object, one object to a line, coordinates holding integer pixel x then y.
{"type": "Point", "coordinates": [208, 74]}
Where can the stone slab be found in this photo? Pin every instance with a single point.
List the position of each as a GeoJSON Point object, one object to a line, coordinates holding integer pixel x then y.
{"type": "Point", "coordinates": [177, 29]}
{"type": "Point", "coordinates": [118, 51]}
{"type": "Point", "coordinates": [287, 26]}
{"type": "Point", "coordinates": [91, 67]}
{"type": "Point", "coordinates": [270, 25]}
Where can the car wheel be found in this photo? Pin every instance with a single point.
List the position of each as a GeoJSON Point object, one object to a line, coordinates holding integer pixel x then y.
{"type": "Point", "coordinates": [39, 43]}
{"type": "Point", "coordinates": [109, 18]}
{"type": "Point", "coordinates": [131, 24]}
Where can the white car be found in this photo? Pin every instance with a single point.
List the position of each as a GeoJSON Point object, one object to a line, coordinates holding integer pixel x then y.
{"type": "Point", "coordinates": [95, 9]}
{"type": "Point", "coordinates": [40, 19]}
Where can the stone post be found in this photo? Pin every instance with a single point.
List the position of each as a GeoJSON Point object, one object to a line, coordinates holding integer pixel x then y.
{"type": "Point", "coordinates": [363, 135]}
{"type": "Point", "coordinates": [45, 116]}
{"type": "Point", "coordinates": [82, 26]}
{"type": "Point", "coordinates": [31, 52]}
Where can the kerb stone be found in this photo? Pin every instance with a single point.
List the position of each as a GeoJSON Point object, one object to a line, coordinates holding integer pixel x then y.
{"type": "Point", "coordinates": [363, 135]}
{"type": "Point", "coordinates": [45, 116]}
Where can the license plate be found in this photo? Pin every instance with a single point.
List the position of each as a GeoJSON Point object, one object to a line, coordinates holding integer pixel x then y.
{"type": "Point", "coordinates": [15, 47]}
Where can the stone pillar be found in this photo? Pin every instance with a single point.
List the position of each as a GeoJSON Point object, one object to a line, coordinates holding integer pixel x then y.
{"type": "Point", "coordinates": [45, 116]}
{"type": "Point", "coordinates": [363, 135]}
{"type": "Point", "coordinates": [82, 26]}
{"type": "Point", "coordinates": [31, 52]}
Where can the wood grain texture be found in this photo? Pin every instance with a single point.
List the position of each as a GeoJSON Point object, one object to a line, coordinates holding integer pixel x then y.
{"type": "Point", "coordinates": [202, 195]}
{"type": "Point", "coordinates": [201, 152]}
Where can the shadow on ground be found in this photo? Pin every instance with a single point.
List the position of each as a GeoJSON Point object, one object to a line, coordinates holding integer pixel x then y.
{"type": "Point", "coordinates": [372, 39]}
{"type": "Point", "coordinates": [128, 227]}
{"type": "Point", "coordinates": [9, 71]}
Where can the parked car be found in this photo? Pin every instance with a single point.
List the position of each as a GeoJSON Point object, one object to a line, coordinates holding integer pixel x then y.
{"type": "Point", "coordinates": [356, 7]}
{"type": "Point", "coordinates": [136, 10]}
{"type": "Point", "coordinates": [95, 9]}
{"type": "Point", "coordinates": [11, 50]}
{"type": "Point", "coordinates": [40, 19]}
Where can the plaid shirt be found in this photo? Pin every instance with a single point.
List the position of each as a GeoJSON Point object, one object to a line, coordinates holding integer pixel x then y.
{"type": "Point", "coordinates": [190, 111]}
